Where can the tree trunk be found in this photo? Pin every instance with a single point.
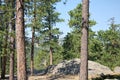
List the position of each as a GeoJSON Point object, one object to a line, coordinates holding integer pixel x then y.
{"type": "Point", "coordinates": [3, 67]}
{"type": "Point", "coordinates": [51, 56]}
{"type": "Point", "coordinates": [20, 41]}
{"type": "Point", "coordinates": [84, 41]}
{"type": "Point", "coordinates": [12, 44]}
{"type": "Point", "coordinates": [50, 35]}
{"type": "Point", "coordinates": [32, 52]}
{"type": "Point", "coordinates": [12, 50]}
{"type": "Point", "coordinates": [11, 77]}
{"type": "Point", "coordinates": [33, 38]}
{"type": "Point", "coordinates": [4, 57]}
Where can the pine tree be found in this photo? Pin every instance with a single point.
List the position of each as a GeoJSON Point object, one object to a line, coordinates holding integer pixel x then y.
{"type": "Point", "coordinates": [72, 41]}
{"type": "Point", "coordinates": [84, 41]}
{"type": "Point", "coordinates": [12, 41]}
{"type": "Point", "coordinates": [20, 41]}
{"type": "Point", "coordinates": [109, 45]}
{"type": "Point", "coordinates": [4, 31]}
{"type": "Point", "coordinates": [49, 34]}
{"type": "Point", "coordinates": [33, 39]}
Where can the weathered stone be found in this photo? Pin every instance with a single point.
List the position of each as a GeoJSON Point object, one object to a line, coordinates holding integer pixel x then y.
{"type": "Point", "coordinates": [98, 69]}
{"type": "Point", "coordinates": [71, 67]}
{"type": "Point", "coordinates": [117, 70]}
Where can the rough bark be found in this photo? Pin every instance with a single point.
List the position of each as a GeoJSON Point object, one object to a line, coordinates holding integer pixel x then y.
{"type": "Point", "coordinates": [20, 41]}
{"type": "Point", "coordinates": [12, 43]}
{"type": "Point", "coordinates": [84, 41]}
{"type": "Point", "coordinates": [12, 51]}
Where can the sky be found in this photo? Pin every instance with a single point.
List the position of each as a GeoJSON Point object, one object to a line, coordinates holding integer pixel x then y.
{"type": "Point", "coordinates": [101, 11]}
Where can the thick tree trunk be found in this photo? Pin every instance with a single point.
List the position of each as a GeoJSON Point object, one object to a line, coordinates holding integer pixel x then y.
{"type": "Point", "coordinates": [84, 41]}
{"type": "Point", "coordinates": [20, 41]}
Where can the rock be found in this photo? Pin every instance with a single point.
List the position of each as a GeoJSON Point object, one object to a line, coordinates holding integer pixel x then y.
{"type": "Point", "coordinates": [67, 67]}
{"type": "Point", "coordinates": [72, 67]}
{"type": "Point", "coordinates": [98, 69]}
{"type": "Point", "coordinates": [117, 70]}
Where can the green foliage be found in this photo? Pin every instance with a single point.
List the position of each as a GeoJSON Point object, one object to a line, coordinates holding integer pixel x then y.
{"type": "Point", "coordinates": [6, 21]}
{"type": "Point", "coordinates": [71, 47]}
{"type": "Point", "coordinates": [42, 16]}
{"type": "Point", "coordinates": [71, 43]}
{"type": "Point", "coordinates": [49, 35]}
{"type": "Point", "coordinates": [105, 47]}
{"type": "Point", "coordinates": [41, 58]}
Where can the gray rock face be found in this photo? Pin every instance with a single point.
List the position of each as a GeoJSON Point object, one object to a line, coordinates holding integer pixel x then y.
{"type": "Point", "coordinates": [117, 70]}
{"type": "Point", "coordinates": [72, 67]}
{"type": "Point", "coordinates": [96, 69]}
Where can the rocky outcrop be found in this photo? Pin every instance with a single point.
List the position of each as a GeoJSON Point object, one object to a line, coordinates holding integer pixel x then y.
{"type": "Point", "coordinates": [71, 67]}
{"type": "Point", "coordinates": [69, 70]}
{"type": "Point", "coordinates": [96, 69]}
{"type": "Point", "coordinates": [117, 70]}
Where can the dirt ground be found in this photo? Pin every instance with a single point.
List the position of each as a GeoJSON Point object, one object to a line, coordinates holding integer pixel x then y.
{"type": "Point", "coordinates": [57, 77]}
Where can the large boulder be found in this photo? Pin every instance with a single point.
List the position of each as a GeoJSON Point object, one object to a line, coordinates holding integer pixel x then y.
{"type": "Point", "coordinates": [96, 69]}
{"type": "Point", "coordinates": [65, 67]}
{"type": "Point", "coordinates": [72, 67]}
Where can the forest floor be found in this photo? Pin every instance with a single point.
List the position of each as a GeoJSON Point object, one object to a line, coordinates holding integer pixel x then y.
{"type": "Point", "coordinates": [7, 77]}
{"type": "Point", "coordinates": [74, 77]}
{"type": "Point", "coordinates": [68, 77]}
{"type": "Point", "coordinates": [47, 77]}
{"type": "Point", "coordinates": [57, 77]}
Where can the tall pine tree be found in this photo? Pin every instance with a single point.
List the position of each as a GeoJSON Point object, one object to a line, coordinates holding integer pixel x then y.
{"type": "Point", "coordinates": [84, 41]}
{"type": "Point", "coordinates": [20, 41]}
{"type": "Point", "coordinates": [50, 35]}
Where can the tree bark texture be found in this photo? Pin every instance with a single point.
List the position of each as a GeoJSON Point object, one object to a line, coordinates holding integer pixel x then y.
{"type": "Point", "coordinates": [12, 51]}
{"type": "Point", "coordinates": [12, 43]}
{"type": "Point", "coordinates": [84, 41]}
{"type": "Point", "coordinates": [20, 41]}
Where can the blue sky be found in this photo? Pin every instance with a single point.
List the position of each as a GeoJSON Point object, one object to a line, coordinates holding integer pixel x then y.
{"type": "Point", "coordinates": [101, 11]}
